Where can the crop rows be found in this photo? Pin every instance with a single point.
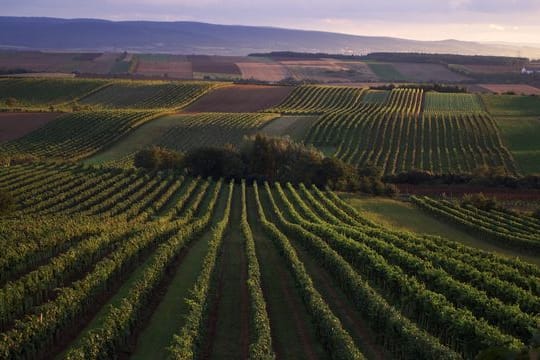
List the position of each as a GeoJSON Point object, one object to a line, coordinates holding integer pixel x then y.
{"type": "Point", "coordinates": [212, 129]}
{"type": "Point", "coordinates": [397, 137]}
{"type": "Point", "coordinates": [91, 231]}
{"type": "Point", "coordinates": [99, 94]}
{"type": "Point", "coordinates": [44, 92]}
{"type": "Point", "coordinates": [78, 135]}
{"type": "Point", "coordinates": [509, 230]}
{"type": "Point", "coordinates": [147, 95]}
{"type": "Point", "coordinates": [452, 103]}
{"type": "Point", "coordinates": [317, 99]}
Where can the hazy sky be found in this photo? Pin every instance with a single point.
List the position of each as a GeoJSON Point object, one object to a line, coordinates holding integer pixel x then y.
{"type": "Point", "coordinates": [479, 20]}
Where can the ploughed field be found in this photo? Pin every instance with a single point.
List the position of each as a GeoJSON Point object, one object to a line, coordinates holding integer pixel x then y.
{"type": "Point", "coordinates": [123, 263]}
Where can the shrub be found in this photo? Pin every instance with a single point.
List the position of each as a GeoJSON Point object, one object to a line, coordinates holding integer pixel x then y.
{"type": "Point", "coordinates": [480, 201]}
{"type": "Point", "coordinates": [215, 162]}
{"type": "Point", "coordinates": [158, 158]}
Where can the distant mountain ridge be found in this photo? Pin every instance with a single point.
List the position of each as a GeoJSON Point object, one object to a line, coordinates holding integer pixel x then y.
{"type": "Point", "coordinates": [183, 37]}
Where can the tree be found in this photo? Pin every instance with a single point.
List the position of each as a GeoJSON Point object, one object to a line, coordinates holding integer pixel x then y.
{"type": "Point", "coordinates": [158, 158]}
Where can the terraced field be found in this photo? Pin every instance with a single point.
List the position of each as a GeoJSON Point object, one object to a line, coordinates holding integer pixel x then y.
{"type": "Point", "coordinates": [102, 263]}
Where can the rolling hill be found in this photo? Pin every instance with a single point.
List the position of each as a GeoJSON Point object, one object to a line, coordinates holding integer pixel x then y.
{"type": "Point", "coordinates": [201, 38]}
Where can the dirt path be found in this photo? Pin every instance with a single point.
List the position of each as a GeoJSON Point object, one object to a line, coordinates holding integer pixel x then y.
{"type": "Point", "coordinates": [227, 334]}
{"type": "Point", "coordinates": [293, 334]}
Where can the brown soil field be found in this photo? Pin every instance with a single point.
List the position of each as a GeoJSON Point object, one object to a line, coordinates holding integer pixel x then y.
{"type": "Point", "coordinates": [214, 64]}
{"type": "Point", "coordinates": [263, 71]}
{"type": "Point", "coordinates": [240, 98]}
{"type": "Point", "coordinates": [491, 69]}
{"type": "Point", "coordinates": [427, 72]}
{"type": "Point", "coordinates": [517, 88]}
{"type": "Point", "coordinates": [171, 69]}
{"type": "Point", "coordinates": [16, 125]}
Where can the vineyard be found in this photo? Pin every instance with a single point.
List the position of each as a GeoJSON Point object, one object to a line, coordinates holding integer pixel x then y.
{"type": "Point", "coordinates": [507, 229]}
{"type": "Point", "coordinates": [452, 103]}
{"type": "Point", "coordinates": [316, 99]}
{"type": "Point", "coordinates": [399, 131]}
{"type": "Point", "coordinates": [96, 260]}
{"type": "Point", "coordinates": [40, 94]}
{"type": "Point", "coordinates": [147, 95]}
{"type": "Point", "coordinates": [35, 93]}
{"type": "Point", "coordinates": [185, 132]}
{"type": "Point", "coordinates": [78, 135]}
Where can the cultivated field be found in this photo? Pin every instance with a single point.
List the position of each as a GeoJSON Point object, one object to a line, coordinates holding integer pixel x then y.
{"type": "Point", "coordinates": [516, 232]}
{"type": "Point", "coordinates": [264, 71]}
{"type": "Point", "coordinates": [78, 135]}
{"type": "Point", "coordinates": [241, 98]}
{"type": "Point", "coordinates": [174, 69]}
{"type": "Point", "coordinates": [518, 118]}
{"type": "Point", "coordinates": [517, 89]}
{"type": "Point", "coordinates": [15, 93]}
{"type": "Point", "coordinates": [16, 125]}
{"type": "Point", "coordinates": [117, 262]}
{"type": "Point", "coordinates": [317, 99]}
{"type": "Point", "coordinates": [151, 259]}
{"type": "Point", "coordinates": [147, 95]}
{"type": "Point", "coordinates": [427, 73]}
{"type": "Point", "coordinates": [391, 130]}
{"type": "Point", "coordinates": [185, 132]}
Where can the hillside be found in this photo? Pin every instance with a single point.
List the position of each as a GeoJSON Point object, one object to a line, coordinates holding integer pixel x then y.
{"type": "Point", "coordinates": [201, 38]}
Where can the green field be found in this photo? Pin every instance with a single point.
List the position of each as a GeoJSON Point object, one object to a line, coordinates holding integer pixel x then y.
{"type": "Point", "coordinates": [385, 72]}
{"type": "Point", "coordinates": [377, 97]}
{"type": "Point", "coordinates": [512, 105]}
{"type": "Point", "coordinates": [404, 216]}
{"type": "Point", "coordinates": [38, 93]}
{"type": "Point", "coordinates": [522, 135]}
{"type": "Point", "coordinates": [448, 102]}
